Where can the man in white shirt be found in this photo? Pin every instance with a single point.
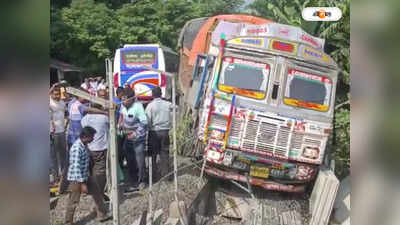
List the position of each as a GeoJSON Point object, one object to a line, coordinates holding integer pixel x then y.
{"type": "Point", "coordinates": [58, 124]}
{"type": "Point", "coordinates": [101, 85]}
{"type": "Point", "coordinates": [86, 84]}
{"type": "Point", "coordinates": [98, 147]}
{"type": "Point", "coordinates": [158, 114]}
{"type": "Point", "coordinates": [93, 83]}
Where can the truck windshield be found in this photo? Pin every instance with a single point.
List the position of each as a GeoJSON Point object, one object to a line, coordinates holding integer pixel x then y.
{"type": "Point", "coordinates": [244, 77]}
{"type": "Point", "coordinates": [307, 90]}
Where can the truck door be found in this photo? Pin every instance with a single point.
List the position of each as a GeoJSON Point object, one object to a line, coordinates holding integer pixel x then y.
{"type": "Point", "coordinates": [204, 64]}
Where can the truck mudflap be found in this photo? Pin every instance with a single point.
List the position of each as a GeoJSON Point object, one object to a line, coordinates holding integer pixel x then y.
{"type": "Point", "coordinates": [269, 185]}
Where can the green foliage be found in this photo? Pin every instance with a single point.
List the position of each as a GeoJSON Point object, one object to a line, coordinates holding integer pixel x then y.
{"type": "Point", "coordinates": [184, 139]}
{"type": "Point", "coordinates": [84, 32]}
{"type": "Point", "coordinates": [341, 146]}
{"type": "Point", "coordinates": [337, 36]}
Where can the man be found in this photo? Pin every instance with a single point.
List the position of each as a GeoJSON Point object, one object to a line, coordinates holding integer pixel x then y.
{"type": "Point", "coordinates": [64, 94]}
{"type": "Point", "coordinates": [133, 122]}
{"type": "Point", "coordinates": [86, 84]}
{"type": "Point", "coordinates": [98, 147]}
{"type": "Point", "coordinates": [80, 181]}
{"type": "Point", "coordinates": [57, 130]}
{"type": "Point", "coordinates": [93, 83]}
{"type": "Point", "coordinates": [120, 138]}
{"type": "Point", "coordinates": [158, 115]}
{"type": "Point", "coordinates": [101, 85]}
{"type": "Point", "coordinates": [77, 109]}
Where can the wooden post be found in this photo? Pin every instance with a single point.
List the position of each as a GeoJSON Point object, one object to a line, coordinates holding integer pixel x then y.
{"type": "Point", "coordinates": [113, 147]}
{"type": "Point", "coordinates": [174, 138]}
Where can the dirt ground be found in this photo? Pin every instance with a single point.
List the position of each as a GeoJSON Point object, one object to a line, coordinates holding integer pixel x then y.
{"type": "Point", "coordinates": [211, 206]}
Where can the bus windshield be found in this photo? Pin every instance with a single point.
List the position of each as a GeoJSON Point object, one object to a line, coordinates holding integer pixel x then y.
{"type": "Point", "coordinates": [244, 77]}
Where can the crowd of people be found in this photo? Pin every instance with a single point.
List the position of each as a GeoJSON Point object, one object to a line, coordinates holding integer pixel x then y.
{"type": "Point", "coordinates": [79, 134]}
{"type": "Point", "coordinates": [94, 84]}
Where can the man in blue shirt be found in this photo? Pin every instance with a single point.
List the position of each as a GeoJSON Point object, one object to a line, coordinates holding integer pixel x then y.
{"type": "Point", "coordinates": [79, 179]}
{"type": "Point", "coordinates": [77, 109]}
{"type": "Point", "coordinates": [133, 122]}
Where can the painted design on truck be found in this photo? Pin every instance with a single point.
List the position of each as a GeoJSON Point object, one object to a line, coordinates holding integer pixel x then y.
{"type": "Point", "coordinates": [278, 128]}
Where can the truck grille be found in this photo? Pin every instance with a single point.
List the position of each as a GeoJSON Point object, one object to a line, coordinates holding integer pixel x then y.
{"type": "Point", "coordinates": [266, 137]}
{"type": "Point", "coordinates": [312, 142]}
{"type": "Point", "coordinates": [235, 133]}
{"type": "Point", "coordinates": [250, 136]}
{"type": "Point", "coordinates": [263, 136]}
{"type": "Point", "coordinates": [236, 128]}
{"type": "Point", "coordinates": [283, 137]}
{"type": "Point", "coordinates": [297, 139]}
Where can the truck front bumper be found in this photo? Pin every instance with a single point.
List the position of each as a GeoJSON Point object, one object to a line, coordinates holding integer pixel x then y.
{"type": "Point", "coordinates": [269, 185]}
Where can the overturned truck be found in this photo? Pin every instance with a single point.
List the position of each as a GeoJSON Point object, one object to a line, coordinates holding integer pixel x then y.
{"type": "Point", "coordinates": [262, 97]}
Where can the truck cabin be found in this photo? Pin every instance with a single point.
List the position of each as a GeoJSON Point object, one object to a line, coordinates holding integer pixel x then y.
{"type": "Point", "coordinates": [284, 92]}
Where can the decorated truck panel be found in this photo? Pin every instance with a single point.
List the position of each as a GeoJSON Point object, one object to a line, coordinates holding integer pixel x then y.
{"type": "Point", "coordinates": [264, 97]}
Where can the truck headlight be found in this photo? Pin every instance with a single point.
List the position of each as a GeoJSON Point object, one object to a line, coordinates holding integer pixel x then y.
{"type": "Point", "coordinates": [304, 172]}
{"type": "Point", "coordinates": [228, 157]}
{"type": "Point", "coordinates": [310, 152]}
{"type": "Point", "coordinates": [292, 173]}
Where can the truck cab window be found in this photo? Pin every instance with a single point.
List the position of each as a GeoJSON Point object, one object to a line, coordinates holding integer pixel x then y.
{"type": "Point", "coordinates": [244, 77]}
{"type": "Point", "coordinates": [307, 90]}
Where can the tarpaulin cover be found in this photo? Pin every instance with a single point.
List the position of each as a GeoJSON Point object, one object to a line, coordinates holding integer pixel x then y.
{"type": "Point", "coordinates": [189, 32]}
{"type": "Point", "coordinates": [199, 43]}
{"type": "Point", "coordinates": [228, 28]}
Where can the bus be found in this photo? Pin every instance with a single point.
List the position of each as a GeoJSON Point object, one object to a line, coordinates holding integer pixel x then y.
{"type": "Point", "coordinates": [128, 68]}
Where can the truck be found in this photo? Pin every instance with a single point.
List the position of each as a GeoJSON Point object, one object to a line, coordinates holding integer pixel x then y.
{"type": "Point", "coordinates": [128, 68]}
{"type": "Point", "coordinates": [261, 96]}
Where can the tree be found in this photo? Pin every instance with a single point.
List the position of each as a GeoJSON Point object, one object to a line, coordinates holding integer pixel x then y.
{"type": "Point", "coordinates": [85, 32]}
